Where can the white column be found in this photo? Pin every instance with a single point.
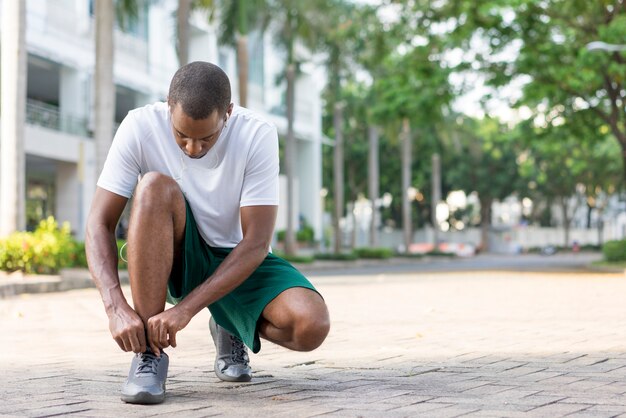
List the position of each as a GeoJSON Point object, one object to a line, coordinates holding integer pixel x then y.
{"type": "Point", "coordinates": [68, 195]}
{"type": "Point", "coordinates": [13, 105]}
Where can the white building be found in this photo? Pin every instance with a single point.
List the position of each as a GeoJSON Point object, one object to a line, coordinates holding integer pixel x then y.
{"type": "Point", "coordinates": [60, 151]}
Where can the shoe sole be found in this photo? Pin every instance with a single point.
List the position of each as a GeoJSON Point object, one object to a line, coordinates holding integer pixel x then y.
{"type": "Point", "coordinates": [144, 398]}
{"type": "Point", "coordinates": [226, 378]}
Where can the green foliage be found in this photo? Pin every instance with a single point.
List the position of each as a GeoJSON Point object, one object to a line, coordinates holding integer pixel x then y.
{"type": "Point", "coordinates": [614, 251]}
{"type": "Point", "coordinates": [337, 257]}
{"type": "Point", "coordinates": [437, 253]}
{"type": "Point", "coordinates": [44, 251]}
{"type": "Point", "coordinates": [377, 253]}
{"type": "Point", "coordinates": [122, 264]}
{"type": "Point", "coordinates": [305, 259]}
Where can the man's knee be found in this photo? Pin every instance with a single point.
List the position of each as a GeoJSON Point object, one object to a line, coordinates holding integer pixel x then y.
{"type": "Point", "coordinates": [311, 328]}
{"type": "Point", "coordinates": [156, 188]}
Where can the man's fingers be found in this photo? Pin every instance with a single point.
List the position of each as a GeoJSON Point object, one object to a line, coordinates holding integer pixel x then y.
{"type": "Point", "coordinates": [142, 341]}
{"type": "Point", "coordinates": [120, 343]}
{"type": "Point", "coordinates": [134, 343]}
{"type": "Point", "coordinates": [163, 337]}
{"type": "Point", "coordinates": [172, 340]}
{"type": "Point", "coordinates": [155, 349]}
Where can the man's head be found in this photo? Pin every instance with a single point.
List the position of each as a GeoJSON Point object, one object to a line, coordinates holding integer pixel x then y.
{"type": "Point", "coordinates": [200, 88]}
{"type": "Point", "coordinates": [199, 102]}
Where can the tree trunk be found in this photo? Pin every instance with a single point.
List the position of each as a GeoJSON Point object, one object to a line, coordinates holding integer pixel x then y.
{"type": "Point", "coordinates": [338, 175]}
{"type": "Point", "coordinates": [182, 28]}
{"type": "Point", "coordinates": [373, 183]}
{"type": "Point", "coordinates": [290, 160]}
{"type": "Point", "coordinates": [242, 69]}
{"type": "Point", "coordinates": [485, 223]}
{"type": "Point", "coordinates": [566, 221]}
{"type": "Point", "coordinates": [242, 51]}
{"type": "Point", "coordinates": [588, 221]}
{"type": "Point", "coordinates": [103, 78]}
{"type": "Point", "coordinates": [436, 197]}
{"type": "Point", "coordinates": [406, 183]}
{"type": "Point", "coordinates": [13, 105]}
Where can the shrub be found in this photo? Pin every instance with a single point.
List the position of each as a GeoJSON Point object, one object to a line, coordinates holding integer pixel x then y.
{"type": "Point", "coordinates": [45, 251]}
{"type": "Point", "coordinates": [122, 263]}
{"type": "Point", "coordinates": [294, 258]}
{"type": "Point", "coordinates": [339, 257]}
{"type": "Point", "coordinates": [304, 235]}
{"type": "Point", "coordinates": [437, 253]}
{"type": "Point", "coordinates": [614, 251]}
{"type": "Point", "coordinates": [380, 253]}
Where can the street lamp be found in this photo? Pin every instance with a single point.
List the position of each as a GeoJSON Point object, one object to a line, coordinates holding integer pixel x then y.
{"type": "Point", "coordinates": [603, 46]}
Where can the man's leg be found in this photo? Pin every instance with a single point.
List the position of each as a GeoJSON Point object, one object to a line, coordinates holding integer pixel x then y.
{"type": "Point", "coordinates": [157, 227]}
{"type": "Point", "coordinates": [296, 319]}
{"type": "Point", "coordinates": [155, 236]}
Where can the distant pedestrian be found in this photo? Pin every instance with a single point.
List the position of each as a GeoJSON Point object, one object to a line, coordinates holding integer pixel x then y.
{"type": "Point", "coordinates": [200, 229]}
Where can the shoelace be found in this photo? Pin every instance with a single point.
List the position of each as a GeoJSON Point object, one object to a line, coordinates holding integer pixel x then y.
{"type": "Point", "coordinates": [238, 352]}
{"type": "Point", "coordinates": [148, 363]}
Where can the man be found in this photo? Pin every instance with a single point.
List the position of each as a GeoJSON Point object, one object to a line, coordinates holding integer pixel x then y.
{"type": "Point", "coordinates": [201, 224]}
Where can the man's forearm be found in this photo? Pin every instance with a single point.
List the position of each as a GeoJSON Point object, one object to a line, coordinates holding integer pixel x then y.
{"type": "Point", "coordinates": [232, 272]}
{"type": "Point", "coordinates": [101, 250]}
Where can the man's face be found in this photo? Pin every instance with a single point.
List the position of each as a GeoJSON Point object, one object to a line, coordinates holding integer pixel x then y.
{"type": "Point", "coordinates": [196, 137]}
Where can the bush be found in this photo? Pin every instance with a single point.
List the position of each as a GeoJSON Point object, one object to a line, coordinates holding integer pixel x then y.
{"type": "Point", "coordinates": [294, 258]}
{"type": "Point", "coordinates": [437, 253]}
{"type": "Point", "coordinates": [614, 251]}
{"type": "Point", "coordinates": [338, 257]}
{"type": "Point", "coordinates": [304, 235]}
{"type": "Point", "coordinates": [379, 253]}
{"type": "Point", "coordinates": [44, 251]}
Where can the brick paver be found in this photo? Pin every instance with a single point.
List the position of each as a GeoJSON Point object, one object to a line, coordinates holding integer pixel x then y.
{"type": "Point", "coordinates": [502, 344]}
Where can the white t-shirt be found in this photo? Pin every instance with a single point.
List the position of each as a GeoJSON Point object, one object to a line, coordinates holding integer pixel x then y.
{"type": "Point", "coordinates": [241, 169]}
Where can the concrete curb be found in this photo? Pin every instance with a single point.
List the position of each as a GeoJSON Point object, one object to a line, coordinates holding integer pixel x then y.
{"type": "Point", "coordinates": [13, 284]}
{"type": "Point", "coordinates": [16, 283]}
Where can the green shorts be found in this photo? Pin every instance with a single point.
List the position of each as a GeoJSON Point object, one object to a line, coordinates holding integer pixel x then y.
{"type": "Point", "coordinates": [239, 311]}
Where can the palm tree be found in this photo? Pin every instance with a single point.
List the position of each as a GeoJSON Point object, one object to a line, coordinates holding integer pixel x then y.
{"type": "Point", "coordinates": [103, 79]}
{"type": "Point", "coordinates": [13, 87]}
{"type": "Point", "coordinates": [238, 18]}
{"type": "Point", "coordinates": [106, 12]}
{"type": "Point", "coordinates": [182, 30]}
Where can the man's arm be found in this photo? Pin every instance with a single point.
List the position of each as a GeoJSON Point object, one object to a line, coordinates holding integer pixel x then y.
{"type": "Point", "coordinates": [125, 325]}
{"type": "Point", "coordinates": [258, 225]}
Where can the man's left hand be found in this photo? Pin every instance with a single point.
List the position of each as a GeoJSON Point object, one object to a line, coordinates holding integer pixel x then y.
{"type": "Point", "coordinates": [162, 328]}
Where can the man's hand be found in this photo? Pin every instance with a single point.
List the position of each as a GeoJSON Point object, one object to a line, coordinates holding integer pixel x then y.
{"type": "Point", "coordinates": [162, 328]}
{"type": "Point", "coordinates": [128, 330]}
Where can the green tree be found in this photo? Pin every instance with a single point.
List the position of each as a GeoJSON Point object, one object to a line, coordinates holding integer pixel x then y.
{"type": "Point", "coordinates": [410, 94]}
{"type": "Point", "coordinates": [295, 22]}
{"type": "Point", "coordinates": [342, 39]}
{"type": "Point", "coordinates": [542, 44]}
{"type": "Point", "coordinates": [238, 18]}
{"type": "Point", "coordinates": [485, 162]}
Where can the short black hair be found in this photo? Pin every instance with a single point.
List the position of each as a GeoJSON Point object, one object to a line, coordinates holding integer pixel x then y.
{"type": "Point", "coordinates": [200, 88]}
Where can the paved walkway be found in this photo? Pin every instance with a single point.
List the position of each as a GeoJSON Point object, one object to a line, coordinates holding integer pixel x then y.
{"type": "Point", "coordinates": [499, 344]}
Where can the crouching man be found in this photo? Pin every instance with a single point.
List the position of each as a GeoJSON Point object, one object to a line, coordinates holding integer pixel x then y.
{"type": "Point", "coordinates": [200, 228]}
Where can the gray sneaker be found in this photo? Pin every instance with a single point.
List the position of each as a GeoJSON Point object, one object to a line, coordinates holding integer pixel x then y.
{"type": "Point", "coordinates": [232, 363]}
{"type": "Point", "coordinates": [146, 379]}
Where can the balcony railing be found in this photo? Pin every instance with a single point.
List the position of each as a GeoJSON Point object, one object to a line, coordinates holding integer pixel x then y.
{"type": "Point", "coordinates": [49, 116]}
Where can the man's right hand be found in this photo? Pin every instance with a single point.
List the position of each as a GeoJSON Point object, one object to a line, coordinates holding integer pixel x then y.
{"type": "Point", "coordinates": [128, 330]}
